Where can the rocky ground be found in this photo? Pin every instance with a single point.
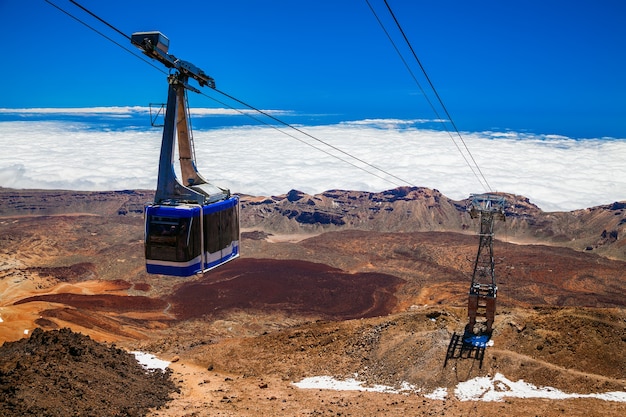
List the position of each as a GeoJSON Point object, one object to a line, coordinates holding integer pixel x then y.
{"type": "Point", "coordinates": [309, 297]}
{"type": "Point", "coordinates": [60, 373]}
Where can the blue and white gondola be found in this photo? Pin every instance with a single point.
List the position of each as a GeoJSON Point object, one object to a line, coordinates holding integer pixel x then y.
{"type": "Point", "coordinates": [187, 239]}
{"type": "Point", "coordinates": [192, 226]}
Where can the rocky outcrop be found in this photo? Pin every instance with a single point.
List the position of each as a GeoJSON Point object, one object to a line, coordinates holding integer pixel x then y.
{"type": "Point", "coordinates": [400, 209]}
{"type": "Point", "coordinates": [415, 209]}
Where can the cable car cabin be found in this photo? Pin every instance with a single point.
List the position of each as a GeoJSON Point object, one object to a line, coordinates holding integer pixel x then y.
{"type": "Point", "coordinates": [192, 226]}
{"type": "Point", "coordinates": [187, 239]}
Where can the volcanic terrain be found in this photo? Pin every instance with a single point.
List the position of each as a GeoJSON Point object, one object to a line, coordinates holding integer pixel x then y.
{"type": "Point", "coordinates": [343, 284]}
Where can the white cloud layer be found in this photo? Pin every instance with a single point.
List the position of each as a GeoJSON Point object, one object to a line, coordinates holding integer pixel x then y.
{"type": "Point", "coordinates": [128, 110]}
{"type": "Point", "coordinates": [556, 173]}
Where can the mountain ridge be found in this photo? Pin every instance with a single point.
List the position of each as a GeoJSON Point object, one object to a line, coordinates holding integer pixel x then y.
{"type": "Point", "coordinates": [599, 229]}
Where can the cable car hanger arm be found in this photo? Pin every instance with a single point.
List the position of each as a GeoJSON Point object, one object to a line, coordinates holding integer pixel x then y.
{"type": "Point", "coordinates": [155, 45]}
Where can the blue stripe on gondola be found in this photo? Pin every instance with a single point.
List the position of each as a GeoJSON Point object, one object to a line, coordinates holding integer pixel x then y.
{"type": "Point", "coordinates": [179, 269]}
{"type": "Point", "coordinates": [181, 212]}
{"type": "Point", "coordinates": [220, 205]}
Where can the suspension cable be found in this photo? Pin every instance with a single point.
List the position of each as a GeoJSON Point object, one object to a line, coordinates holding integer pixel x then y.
{"type": "Point", "coordinates": [307, 143]}
{"type": "Point", "coordinates": [106, 37]}
{"type": "Point", "coordinates": [102, 20]}
{"type": "Point", "coordinates": [419, 85]}
{"type": "Point", "coordinates": [264, 113]}
{"type": "Point", "coordinates": [479, 176]}
{"type": "Point", "coordinates": [318, 140]}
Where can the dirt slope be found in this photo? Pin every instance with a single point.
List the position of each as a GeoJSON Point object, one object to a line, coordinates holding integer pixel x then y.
{"type": "Point", "coordinates": [61, 373]}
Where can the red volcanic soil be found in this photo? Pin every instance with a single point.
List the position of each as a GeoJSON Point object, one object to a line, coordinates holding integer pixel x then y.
{"type": "Point", "coordinates": [101, 302]}
{"type": "Point", "coordinates": [291, 286]}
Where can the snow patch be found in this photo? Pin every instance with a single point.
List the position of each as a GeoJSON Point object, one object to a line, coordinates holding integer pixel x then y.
{"type": "Point", "coordinates": [500, 387]}
{"type": "Point", "coordinates": [438, 394]}
{"type": "Point", "coordinates": [149, 361]}
{"type": "Point", "coordinates": [486, 388]}
{"type": "Point", "coordinates": [350, 384]}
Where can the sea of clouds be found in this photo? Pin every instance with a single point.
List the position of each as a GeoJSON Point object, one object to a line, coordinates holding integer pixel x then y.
{"type": "Point", "coordinates": [555, 172]}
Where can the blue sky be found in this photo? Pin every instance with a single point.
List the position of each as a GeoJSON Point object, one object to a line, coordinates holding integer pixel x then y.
{"type": "Point", "coordinates": [552, 67]}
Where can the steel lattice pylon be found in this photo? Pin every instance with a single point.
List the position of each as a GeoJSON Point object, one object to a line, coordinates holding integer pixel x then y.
{"type": "Point", "coordinates": [483, 290]}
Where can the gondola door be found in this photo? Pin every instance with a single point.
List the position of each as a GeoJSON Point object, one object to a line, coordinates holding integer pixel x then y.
{"type": "Point", "coordinates": [174, 240]}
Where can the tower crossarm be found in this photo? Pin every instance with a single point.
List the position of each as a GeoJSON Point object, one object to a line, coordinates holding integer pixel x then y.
{"type": "Point", "coordinates": [156, 46]}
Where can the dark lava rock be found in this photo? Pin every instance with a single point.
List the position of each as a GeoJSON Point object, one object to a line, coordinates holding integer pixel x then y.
{"type": "Point", "coordinates": [295, 195]}
{"type": "Point", "coordinates": [307, 217]}
{"type": "Point", "coordinates": [61, 373]}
